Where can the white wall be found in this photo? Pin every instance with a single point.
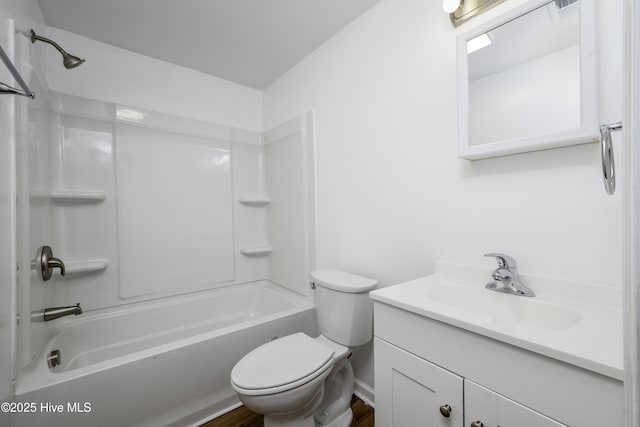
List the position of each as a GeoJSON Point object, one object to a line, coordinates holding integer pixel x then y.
{"type": "Point", "coordinates": [392, 195]}
{"type": "Point", "coordinates": [120, 76]}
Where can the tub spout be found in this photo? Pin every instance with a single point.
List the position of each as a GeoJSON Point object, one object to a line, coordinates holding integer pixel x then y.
{"type": "Point", "coordinates": [55, 312]}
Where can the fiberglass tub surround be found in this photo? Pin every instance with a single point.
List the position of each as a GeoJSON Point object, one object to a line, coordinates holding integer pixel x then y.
{"type": "Point", "coordinates": [186, 244]}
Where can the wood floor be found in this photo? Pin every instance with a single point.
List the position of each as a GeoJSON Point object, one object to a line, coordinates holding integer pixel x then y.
{"type": "Point", "coordinates": [363, 416]}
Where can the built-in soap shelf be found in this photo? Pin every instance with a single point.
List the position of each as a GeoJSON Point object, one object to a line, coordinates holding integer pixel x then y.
{"type": "Point", "coordinates": [256, 201]}
{"type": "Point", "coordinates": [73, 196]}
{"type": "Point", "coordinates": [256, 251]}
{"type": "Point", "coordinates": [85, 266]}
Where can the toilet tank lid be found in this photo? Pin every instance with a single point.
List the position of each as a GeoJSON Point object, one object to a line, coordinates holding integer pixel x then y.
{"type": "Point", "coordinates": [342, 282]}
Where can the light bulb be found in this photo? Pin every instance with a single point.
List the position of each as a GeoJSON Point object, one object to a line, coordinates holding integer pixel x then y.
{"type": "Point", "coordinates": [450, 6]}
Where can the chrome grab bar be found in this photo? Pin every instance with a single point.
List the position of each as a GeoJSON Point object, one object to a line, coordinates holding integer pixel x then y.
{"type": "Point", "coordinates": [606, 153]}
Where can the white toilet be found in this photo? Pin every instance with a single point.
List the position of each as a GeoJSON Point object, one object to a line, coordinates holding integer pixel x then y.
{"type": "Point", "coordinates": [299, 381]}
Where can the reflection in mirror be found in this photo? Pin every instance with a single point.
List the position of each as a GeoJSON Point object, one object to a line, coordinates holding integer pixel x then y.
{"type": "Point", "coordinates": [524, 76]}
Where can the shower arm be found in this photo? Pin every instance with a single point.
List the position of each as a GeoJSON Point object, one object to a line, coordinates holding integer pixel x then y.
{"type": "Point", "coordinates": [5, 89]}
{"type": "Point", "coordinates": [35, 37]}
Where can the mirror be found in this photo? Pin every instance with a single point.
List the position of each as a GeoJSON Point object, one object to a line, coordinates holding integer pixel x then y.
{"type": "Point", "coordinates": [527, 80]}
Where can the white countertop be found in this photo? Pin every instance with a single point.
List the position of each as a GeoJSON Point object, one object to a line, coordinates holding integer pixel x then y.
{"type": "Point", "coordinates": [576, 323]}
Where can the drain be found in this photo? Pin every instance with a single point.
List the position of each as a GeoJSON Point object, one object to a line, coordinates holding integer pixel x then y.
{"type": "Point", "coordinates": [54, 358]}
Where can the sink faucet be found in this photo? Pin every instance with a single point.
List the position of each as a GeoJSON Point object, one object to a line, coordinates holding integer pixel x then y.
{"type": "Point", "coordinates": [55, 312]}
{"type": "Point", "coordinates": [506, 278]}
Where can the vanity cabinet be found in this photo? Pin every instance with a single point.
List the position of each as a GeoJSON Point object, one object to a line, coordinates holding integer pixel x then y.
{"type": "Point", "coordinates": [422, 364]}
{"type": "Point", "coordinates": [411, 391]}
{"type": "Point", "coordinates": [492, 409]}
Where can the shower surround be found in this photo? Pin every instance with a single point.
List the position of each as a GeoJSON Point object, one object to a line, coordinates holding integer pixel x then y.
{"type": "Point", "coordinates": [147, 209]}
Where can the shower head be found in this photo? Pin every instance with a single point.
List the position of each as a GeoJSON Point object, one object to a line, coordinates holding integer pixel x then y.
{"type": "Point", "coordinates": [69, 61]}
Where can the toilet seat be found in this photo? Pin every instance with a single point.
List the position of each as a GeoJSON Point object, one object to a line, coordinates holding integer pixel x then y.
{"type": "Point", "coordinates": [281, 365]}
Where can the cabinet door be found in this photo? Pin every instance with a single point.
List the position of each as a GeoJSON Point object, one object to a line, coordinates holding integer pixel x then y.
{"type": "Point", "coordinates": [410, 390]}
{"type": "Point", "coordinates": [494, 410]}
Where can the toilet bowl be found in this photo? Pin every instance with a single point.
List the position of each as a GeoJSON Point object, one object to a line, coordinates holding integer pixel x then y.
{"type": "Point", "coordinates": [285, 379]}
{"type": "Point", "coordinates": [299, 381]}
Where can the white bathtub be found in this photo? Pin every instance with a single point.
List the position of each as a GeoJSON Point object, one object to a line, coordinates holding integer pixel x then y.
{"type": "Point", "coordinates": [162, 363]}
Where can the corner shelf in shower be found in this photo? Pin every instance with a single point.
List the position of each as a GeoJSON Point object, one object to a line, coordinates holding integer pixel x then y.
{"type": "Point", "coordinates": [78, 196]}
{"type": "Point", "coordinates": [256, 251]}
{"type": "Point", "coordinates": [85, 266]}
{"type": "Point", "coordinates": [73, 196]}
{"type": "Point", "coordinates": [256, 201]}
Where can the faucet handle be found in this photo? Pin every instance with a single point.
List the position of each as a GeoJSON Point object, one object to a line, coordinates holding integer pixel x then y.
{"type": "Point", "coordinates": [504, 261]}
{"type": "Point", "coordinates": [45, 263]}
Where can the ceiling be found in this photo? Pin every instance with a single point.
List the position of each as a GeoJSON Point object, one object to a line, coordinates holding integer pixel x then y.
{"type": "Point", "coordinates": [251, 42]}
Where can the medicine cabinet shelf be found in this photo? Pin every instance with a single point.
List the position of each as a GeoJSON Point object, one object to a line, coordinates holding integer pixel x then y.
{"type": "Point", "coordinates": [256, 201]}
{"type": "Point", "coordinates": [256, 251]}
{"type": "Point", "coordinates": [85, 266]}
{"type": "Point", "coordinates": [74, 196]}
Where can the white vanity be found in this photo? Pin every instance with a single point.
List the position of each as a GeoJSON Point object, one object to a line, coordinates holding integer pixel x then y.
{"type": "Point", "coordinates": [449, 352]}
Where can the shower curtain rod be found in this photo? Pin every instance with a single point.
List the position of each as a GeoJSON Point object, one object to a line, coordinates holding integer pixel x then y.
{"type": "Point", "coordinates": [5, 89]}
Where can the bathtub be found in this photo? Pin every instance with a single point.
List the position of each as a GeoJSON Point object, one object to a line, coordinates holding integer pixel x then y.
{"type": "Point", "coordinates": [161, 363]}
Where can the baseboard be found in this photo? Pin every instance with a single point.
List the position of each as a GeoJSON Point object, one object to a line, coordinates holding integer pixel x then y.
{"type": "Point", "coordinates": [228, 406]}
{"type": "Point", "coordinates": [364, 391]}
{"type": "Point", "coordinates": [361, 389]}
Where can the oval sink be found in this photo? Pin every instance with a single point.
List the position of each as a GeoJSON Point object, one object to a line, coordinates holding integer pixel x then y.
{"type": "Point", "coordinates": [503, 308]}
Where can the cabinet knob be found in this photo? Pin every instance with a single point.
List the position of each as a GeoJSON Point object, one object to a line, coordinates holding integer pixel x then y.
{"type": "Point", "coordinates": [477, 424]}
{"type": "Point", "coordinates": [445, 410]}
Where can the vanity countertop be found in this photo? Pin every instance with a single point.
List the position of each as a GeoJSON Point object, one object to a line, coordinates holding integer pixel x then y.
{"type": "Point", "coordinates": [577, 323]}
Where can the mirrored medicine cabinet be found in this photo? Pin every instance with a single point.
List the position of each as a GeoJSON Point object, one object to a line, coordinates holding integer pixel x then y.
{"type": "Point", "coordinates": [527, 80]}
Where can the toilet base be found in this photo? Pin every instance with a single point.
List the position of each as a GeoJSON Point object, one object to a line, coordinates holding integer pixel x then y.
{"type": "Point", "coordinates": [335, 408]}
{"type": "Point", "coordinates": [343, 420]}
{"type": "Point", "coordinates": [308, 421]}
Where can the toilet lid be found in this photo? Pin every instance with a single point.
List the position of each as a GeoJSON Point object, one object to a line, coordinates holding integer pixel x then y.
{"type": "Point", "coordinates": [280, 362]}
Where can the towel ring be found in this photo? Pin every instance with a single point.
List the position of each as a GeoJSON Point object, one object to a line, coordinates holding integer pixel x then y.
{"type": "Point", "coordinates": [606, 152]}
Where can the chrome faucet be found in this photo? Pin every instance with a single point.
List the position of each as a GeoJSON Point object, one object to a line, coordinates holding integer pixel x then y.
{"type": "Point", "coordinates": [55, 312]}
{"type": "Point", "coordinates": [506, 278]}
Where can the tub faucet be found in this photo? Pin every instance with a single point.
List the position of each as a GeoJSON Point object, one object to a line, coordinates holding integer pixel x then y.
{"type": "Point", "coordinates": [55, 312]}
{"type": "Point", "coordinates": [506, 278]}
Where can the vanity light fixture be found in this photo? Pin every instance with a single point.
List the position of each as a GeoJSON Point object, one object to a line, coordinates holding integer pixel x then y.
{"type": "Point", "coordinates": [450, 6]}
{"type": "Point", "coordinates": [477, 43]}
{"type": "Point", "coordinates": [462, 10]}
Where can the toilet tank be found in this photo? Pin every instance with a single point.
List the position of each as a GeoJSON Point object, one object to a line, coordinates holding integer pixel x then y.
{"type": "Point", "coordinates": [343, 307]}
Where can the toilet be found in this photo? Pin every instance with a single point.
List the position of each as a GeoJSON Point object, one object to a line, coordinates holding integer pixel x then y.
{"type": "Point", "coordinates": [300, 381]}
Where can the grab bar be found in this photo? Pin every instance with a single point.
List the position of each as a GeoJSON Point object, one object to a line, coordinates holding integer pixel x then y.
{"type": "Point", "coordinates": [606, 153]}
{"type": "Point", "coordinates": [5, 89]}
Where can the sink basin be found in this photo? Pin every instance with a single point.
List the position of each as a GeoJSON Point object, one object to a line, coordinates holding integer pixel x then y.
{"type": "Point", "coordinates": [503, 308]}
{"type": "Point", "coordinates": [576, 323]}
